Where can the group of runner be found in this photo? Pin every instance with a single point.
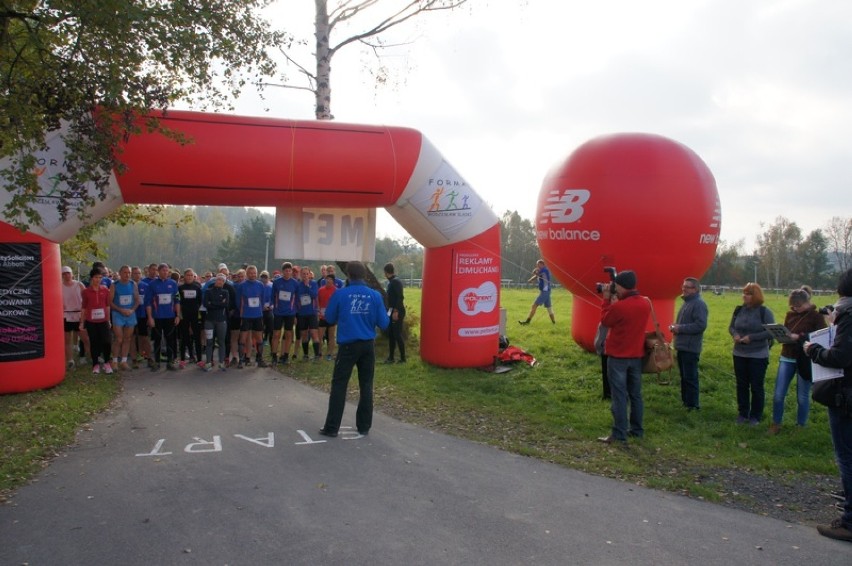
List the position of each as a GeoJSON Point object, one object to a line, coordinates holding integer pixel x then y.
{"type": "Point", "coordinates": [120, 320]}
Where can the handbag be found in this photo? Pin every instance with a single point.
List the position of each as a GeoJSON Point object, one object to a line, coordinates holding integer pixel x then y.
{"type": "Point", "coordinates": [658, 353]}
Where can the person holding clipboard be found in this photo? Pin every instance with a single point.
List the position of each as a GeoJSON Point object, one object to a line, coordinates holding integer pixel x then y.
{"type": "Point", "coordinates": [839, 400]}
{"type": "Point", "coordinates": [801, 319]}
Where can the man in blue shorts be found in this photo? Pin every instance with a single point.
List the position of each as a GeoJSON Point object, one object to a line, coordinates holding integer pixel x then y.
{"type": "Point", "coordinates": [543, 275]}
{"type": "Point", "coordinates": [251, 293]}
{"type": "Point", "coordinates": [284, 310]}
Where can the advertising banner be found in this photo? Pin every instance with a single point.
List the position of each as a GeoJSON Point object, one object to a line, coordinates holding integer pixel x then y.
{"type": "Point", "coordinates": [476, 294]}
{"type": "Point", "coordinates": [326, 234]}
{"type": "Point", "coordinates": [21, 302]}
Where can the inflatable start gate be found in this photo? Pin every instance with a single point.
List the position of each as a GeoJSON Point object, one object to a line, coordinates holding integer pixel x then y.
{"type": "Point", "coordinates": [250, 161]}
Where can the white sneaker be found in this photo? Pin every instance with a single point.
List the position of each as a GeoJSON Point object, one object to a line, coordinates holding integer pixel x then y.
{"type": "Point", "coordinates": [96, 368]}
{"type": "Point", "coordinates": [107, 368]}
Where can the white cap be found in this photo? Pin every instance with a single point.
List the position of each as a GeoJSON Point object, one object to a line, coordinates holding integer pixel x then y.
{"type": "Point", "coordinates": [66, 269]}
{"type": "Point", "coordinates": [221, 267]}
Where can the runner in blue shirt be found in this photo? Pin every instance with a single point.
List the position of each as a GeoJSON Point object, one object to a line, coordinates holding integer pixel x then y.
{"type": "Point", "coordinates": [251, 293]}
{"type": "Point", "coordinates": [308, 323]}
{"type": "Point", "coordinates": [162, 304]}
{"type": "Point", "coordinates": [542, 274]}
{"type": "Point", "coordinates": [284, 290]}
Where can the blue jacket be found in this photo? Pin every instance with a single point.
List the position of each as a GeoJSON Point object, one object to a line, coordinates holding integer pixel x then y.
{"type": "Point", "coordinates": [284, 296]}
{"type": "Point", "coordinates": [357, 310]}
{"type": "Point", "coordinates": [691, 324]}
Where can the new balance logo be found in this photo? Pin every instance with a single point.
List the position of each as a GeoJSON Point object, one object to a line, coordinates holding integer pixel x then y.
{"type": "Point", "coordinates": [564, 206]}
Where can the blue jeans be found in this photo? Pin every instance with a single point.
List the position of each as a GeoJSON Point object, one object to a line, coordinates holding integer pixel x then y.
{"type": "Point", "coordinates": [786, 371]}
{"type": "Point", "coordinates": [751, 375]}
{"type": "Point", "coordinates": [625, 383]}
{"type": "Point", "coordinates": [361, 354]}
{"type": "Point", "coordinates": [841, 437]}
{"type": "Point", "coordinates": [687, 363]}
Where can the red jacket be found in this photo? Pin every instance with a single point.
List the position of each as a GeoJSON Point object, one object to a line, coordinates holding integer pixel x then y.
{"type": "Point", "coordinates": [626, 320]}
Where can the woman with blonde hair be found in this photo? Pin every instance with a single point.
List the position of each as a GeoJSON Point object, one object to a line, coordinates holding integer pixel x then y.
{"type": "Point", "coordinates": [751, 353]}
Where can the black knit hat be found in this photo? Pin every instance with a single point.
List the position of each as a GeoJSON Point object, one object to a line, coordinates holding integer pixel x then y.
{"type": "Point", "coordinates": [626, 279]}
{"type": "Point", "coordinates": [844, 286]}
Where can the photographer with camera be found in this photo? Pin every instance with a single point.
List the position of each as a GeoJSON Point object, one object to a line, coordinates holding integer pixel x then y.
{"type": "Point", "coordinates": [839, 355]}
{"type": "Point", "coordinates": [625, 314]}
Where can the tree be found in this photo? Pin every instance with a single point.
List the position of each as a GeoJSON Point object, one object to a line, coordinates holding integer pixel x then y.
{"type": "Point", "coordinates": [61, 59]}
{"type": "Point", "coordinates": [727, 268]}
{"type": "Point", "coordinates": [354, 14]}
{"type": "Point", "coordinates": [811, 266]}
{"type": "Point", "coordinates": [248, 246]}
{"type": "Point", "coordinates": [776, 250]}
{"type": "Point", "coordinates": [838, 232]}
{"type": "Point", "coordinates": [519, 245]}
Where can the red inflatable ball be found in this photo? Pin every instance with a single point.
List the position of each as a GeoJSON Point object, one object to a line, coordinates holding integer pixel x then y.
{"type": "Point", "coordinates": [629, 201]}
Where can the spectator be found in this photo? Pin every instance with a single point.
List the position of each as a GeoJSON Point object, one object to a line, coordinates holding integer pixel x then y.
{"type": "Point", "coordinates": [626, 316]}
{"type": "Point", "coordinates": [688, 330]}
{"type": "Point", "coordinates": [751, 353]}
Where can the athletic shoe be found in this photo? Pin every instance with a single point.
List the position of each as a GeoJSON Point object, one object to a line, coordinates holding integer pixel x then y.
{"type": "Point", "coordinates": [172, 366]}
{"type": "Point", "coordinates": [201, 364]}
{"type": "Point", "coordinates": [401, 361]}
{"type": "Point", "coordinates": [124, 366]}
{"type": "Point", "coordinates": [262, 364]}
{"type": "Point", "coordinates": [154, 367]}
{"type": "Point", "coordinates": [223, 367]}
{"type": "Point", "coordinates": [207, 367]}
{"type": "Point", "coordinates": [70, 364]}
{"type": "Point", "coordinates": [837, 530]}
{"type": "Point", "coordinates": [523, 322]}
{"type": "Point", "coordinates": [240, 365]}
{"type": "Point", "coordinates": [182, 364]}
{"type": "Point", "coordinates": [107, 368]}
{"type": "Point", "coordinates": [328, 358]}
{"type": "Point", "coordinates": [96, 368]}
{"type": "Point", "coordinates": [192, 360]}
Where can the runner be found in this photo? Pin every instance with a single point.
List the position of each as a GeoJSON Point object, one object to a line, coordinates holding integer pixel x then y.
{"type": "Point", "coordinates": [72, 304]}
{"type": "Point", "coordinates": [123, 300]}
{"type": "Point", "coordinates": [308, 323]}
{"type": "Point", "coordinates": [327, 329]}
{"type": "Point", "coordinates": [94, 317]}
{"type": "Point", "coordinates": [284, 312]}
{"type": "Point", "coordinates": [162, 304]}
{"type": "Point", "coordinates": [190, 324]}
{"type": "Point", "coordinates": [251, 294]}
{"type": "Point", "coordinates": [140, 348]}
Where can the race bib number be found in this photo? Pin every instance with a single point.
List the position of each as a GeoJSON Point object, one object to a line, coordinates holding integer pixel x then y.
{"type": "Point", "coordinates": [164, 298]}
{"type": "Point", "coordinates": [284, 296]}
{"type": "Point", "coordinates": [98, 314]}
{"type": "Point", "coordinates": [305, 300]}
{"type": "Point", "coordinates": [189, 294]}
{"type": "Point", "coordinates": [208, 332]}
{"type": "Point", "coordinates": [125, 300]}
{"type": "Point", "coordinates": [254, 302]}
{"type": "Point", "coordinates": [322, 311]}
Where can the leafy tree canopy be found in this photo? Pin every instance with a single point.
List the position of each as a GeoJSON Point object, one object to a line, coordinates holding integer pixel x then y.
{"type": "Point", "coordinates": [61, 59]}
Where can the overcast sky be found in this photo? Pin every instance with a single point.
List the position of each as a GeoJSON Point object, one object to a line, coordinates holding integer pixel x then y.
{"type": "Point", "coordinates": [759, 89]}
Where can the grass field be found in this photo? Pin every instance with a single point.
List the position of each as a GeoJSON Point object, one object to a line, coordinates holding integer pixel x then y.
{"type": "Point", "coordinates": [551, 411]}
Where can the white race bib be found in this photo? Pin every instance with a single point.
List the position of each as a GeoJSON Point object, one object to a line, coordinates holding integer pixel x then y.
{"type": "Point", "coordinates": [189, 294]}
{"type": "Point", "coordinates": [209, 333]}
{"type": "Point", "coordinates": [305, 300]}
{"type": "Point", "coordinates": [254, 302]}
{"type": "Point", "coordinates": [125, 300]}
{"type": "Point", "coordinates": [164, 298]}
{"type": "Point", "coordinates": [284, 296]}
{"type": "Point", "coordinates": [98, 314]}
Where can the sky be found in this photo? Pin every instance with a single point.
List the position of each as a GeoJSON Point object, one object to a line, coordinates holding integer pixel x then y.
{"type": "Point", "coordinates": [761, 90]}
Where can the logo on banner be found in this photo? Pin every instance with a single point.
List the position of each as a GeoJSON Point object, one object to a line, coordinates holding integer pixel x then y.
{"type": "Point", "coordinates": [446, 200]}
{"type": "Point", "coordinates": [565, 206]}
{"type": "Point", "coordinates": [475, 300]}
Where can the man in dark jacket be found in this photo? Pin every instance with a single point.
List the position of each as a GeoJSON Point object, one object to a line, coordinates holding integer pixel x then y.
{"type": "Point", "coordinates": [688, 330]}
{"type": "Point", "coordinates": [396, 312]}
{"type": "Point", "coordinates": [839, 355]}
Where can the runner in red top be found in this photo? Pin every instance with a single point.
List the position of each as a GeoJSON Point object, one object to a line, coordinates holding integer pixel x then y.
{"type": "Point", "coordinates": [94, 318]}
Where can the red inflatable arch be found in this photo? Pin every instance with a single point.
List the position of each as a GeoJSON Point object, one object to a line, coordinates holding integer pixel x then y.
{"type": "Point", "coordinates": [251, 161]}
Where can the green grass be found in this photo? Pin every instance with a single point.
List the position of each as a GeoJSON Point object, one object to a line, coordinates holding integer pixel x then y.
{"type": "Point", "coordinates": [552, 411]}
{"type": "Point", "coordinates": [35, 426]}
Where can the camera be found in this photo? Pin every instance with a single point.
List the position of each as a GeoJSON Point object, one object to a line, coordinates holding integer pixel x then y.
{"type": "Point", "coordinates": [599, 287]}
{"type": "Point", "coordinates": [826, 310]}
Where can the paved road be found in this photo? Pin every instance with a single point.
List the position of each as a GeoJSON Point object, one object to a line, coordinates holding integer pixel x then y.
{"type": "Point", "coordinates": [227, 468]}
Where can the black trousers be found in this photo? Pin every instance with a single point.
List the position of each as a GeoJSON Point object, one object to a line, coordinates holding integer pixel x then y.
{"type": "Point", "coordinates": [164, 329]}
{"type": "Point", "coordinates": [395, 335]}
{"type": "Point", "coordinates": [362, 354]}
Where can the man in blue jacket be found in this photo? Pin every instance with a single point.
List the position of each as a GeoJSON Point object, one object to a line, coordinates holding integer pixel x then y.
{"type": "Point", "coordinates": [688, 333]}
{"type": "Point", "coordinates": [357, 310]}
